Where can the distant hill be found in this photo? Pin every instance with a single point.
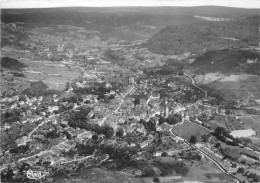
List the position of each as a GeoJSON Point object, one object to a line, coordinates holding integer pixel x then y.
{"type": "Point", "coordinates": [12, 35]}
{"type": "Point", "coordinates": [12, 64]}
{"type": "Point", "coordinates": [128, 23]}
{"type": "Point", "coordinates": [228, 61]}
{"type": "Point", "coordinates": [205, 35]}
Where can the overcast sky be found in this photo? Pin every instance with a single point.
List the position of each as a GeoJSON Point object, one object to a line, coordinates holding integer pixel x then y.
{"type": "Point", "coordinates": [111, 3]}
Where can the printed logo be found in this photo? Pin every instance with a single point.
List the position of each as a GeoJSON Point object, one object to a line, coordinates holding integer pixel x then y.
{"type": "Point", "coordinates": [36, 174]}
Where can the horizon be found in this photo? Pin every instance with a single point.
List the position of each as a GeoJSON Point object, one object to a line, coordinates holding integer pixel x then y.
{"type": "Point", "coordinates": [31, 4]}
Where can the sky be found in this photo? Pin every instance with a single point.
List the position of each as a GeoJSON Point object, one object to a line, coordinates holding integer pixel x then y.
{"type": "Point", "coordinates": [117, 3]}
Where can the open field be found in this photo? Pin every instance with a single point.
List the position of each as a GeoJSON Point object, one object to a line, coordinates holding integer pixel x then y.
{"type": "Point", "coordinates": [198, 170]}
{"type": "Point", "coordinates": [236, 86]}
{"type": "Point", "coordinates": [243, 133]}
{"type": "Point", "coordinates": [54, 74]}
{"type": "Point", "coordinates": [256, 118]}
{"type": "Point", "coordinates": [252, 122]}
{"type": "Point", "coordinates": [228, 122]}
{"type": "Point", "coordinates": [208, 78]}
{"type": "Point", "coordinates": [187, 129]}
{"type": "Point", "coordinates": [237, 152]}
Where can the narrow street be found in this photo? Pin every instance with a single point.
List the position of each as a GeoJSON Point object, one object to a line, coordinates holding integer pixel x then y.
{"type": "Point", "coordinates": [52, 116]}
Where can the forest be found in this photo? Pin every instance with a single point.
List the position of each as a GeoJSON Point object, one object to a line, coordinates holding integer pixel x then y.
{"type": "Point", "coordinates": [228, 61]}
{"type": "Point", "coordinates": [201, 35]}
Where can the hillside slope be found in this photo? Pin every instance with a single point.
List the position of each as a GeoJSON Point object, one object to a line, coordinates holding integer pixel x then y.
{"type": "Point", "coordinates": [12, 64]}
{"type": "Point", "coordinates": [205, 34]}
{"type": "Point", "coordinates": [243, 87]}
{"type": "Point", "coordinates": [228, 61]}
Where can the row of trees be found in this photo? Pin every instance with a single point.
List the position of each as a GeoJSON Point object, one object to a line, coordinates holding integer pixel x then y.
{"type": "Point", "coordinates": [253, 176]}
{"type": "Point", "coordinates": [224, 135]}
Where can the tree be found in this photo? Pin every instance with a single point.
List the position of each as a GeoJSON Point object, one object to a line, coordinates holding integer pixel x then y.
{"type": "Point", "coordinates": [240, 170]}
{"type": "Point", "coordinates": [193, 139]}
{"type": "Point", "coordinates": [205, 137]}
{"type": "Point", "coordinates": [67, 86]}
{"type": "Point", "coordinates": [164, 154]}
{"type": "Point", "coordinates": [12, 64]}
{"type": "Point", "coordinates": [108, 131]}
{"type": "Point", "coordinates": [173, 119]}
{"type": "Point", "coordinates": [218, 145]}
{"type": "Point", "coordinates": [36, 89]}
{"type": "Point", "coordinates": [137, 101]}
{"type": "Point", "coordinates": [251, 176]}
{"type": "Point", "coordinates": [156, 179]}
{"type": "Point", "coordinates": [181, 72]}
{"type": "Point", "coordinates": [8, 175]}
{"type": "Point", "coordinates": [161, 120]}
{"type": "Point", "coordinates": [120, 132]}
{"type": "Point", "coordinates": [243, 161]}
{"type": "Point", "coordinates": [256, 178]}
{"type": "Point", "coordinates": [95, 137]}
{"type": "Point", "coordinates": [220, 132]}
{"type": "Point", "coordinates": [181, 168]}
{"type": "Point", "coordinates": [22, 98]}
{"type": "Point", "coordinates": [87, 149]}
{"type": "Point", "coordinates": [148, 172]}
{"type": "Point", "coordinates": [52, 134]}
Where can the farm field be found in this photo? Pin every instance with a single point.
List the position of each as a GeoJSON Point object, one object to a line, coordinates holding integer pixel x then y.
{"type": "Point", "coordinates": [200, 170]}
{"type": "Point", "coordinates": [257, 107]}
{"type": "Point", "coordinates": [228, 122]}
{"type": "Point", "coordinates": [55, 75]}
{"type": "Point", "coordinates": [236, 151]}
{"type": "Point", "coordinates": [252, 121]}
{"type": "Point", "coordinates": [235, 86]}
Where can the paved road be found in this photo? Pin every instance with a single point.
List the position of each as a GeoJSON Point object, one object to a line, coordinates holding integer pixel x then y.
{"type": "Point", "coordinates": [52, 116]}
{"type": "Point", "coordinates": [194, 84]}
{"type": "Point", "coordinates": [116, 110]}
{"type": "Point", "coordinates": [206, 94]}
{"type": "Point", "coordinates": [205, 154]}
{"type": "Point", "coordinates": [216, 163]}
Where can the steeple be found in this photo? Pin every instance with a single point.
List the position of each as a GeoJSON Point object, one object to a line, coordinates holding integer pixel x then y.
{"type": "Point", "coordinates": [166, 110]}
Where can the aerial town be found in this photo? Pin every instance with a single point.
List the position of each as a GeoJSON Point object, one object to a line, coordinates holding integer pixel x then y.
{"type": "Point", "coordinates": [81, 108]}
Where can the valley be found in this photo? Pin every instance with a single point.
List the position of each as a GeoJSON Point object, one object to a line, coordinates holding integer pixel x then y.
{"type": "Point", "coordinates": [130, 95]}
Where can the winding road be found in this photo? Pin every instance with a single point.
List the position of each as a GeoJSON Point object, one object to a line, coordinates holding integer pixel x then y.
{"type": "Point", "coordinates": [206, 94]}
{"type": "Point", "coordinates": [194, 84]}
{"type": "Point", "coordinates": [46, 120]}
